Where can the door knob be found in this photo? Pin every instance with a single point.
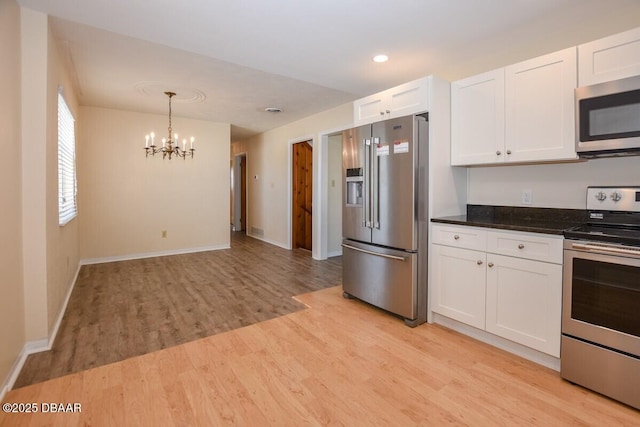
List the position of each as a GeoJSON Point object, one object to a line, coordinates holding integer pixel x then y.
{"type": "Point", "coordinates": [490, 264]}
{"type": "Point", "coordinates": [479, 262]}
{"type": "Point", "coordinates": [498, 153]}
{"type": "Point", "coordinates": [456, 237]}
{"type": "Point", "coordinates": [520, 246]}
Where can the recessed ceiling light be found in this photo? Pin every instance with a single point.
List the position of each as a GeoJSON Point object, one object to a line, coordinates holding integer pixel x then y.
{"type": "Point", "coordinates": [273, 110]}
{"type": "Point", "coordinates": [380, 58]}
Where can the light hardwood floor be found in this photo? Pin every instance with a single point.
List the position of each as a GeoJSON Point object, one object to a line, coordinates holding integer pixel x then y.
{"type": "Point", "coordinates": [338, 362]}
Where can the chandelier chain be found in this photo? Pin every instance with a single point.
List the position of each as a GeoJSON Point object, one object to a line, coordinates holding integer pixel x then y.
{"type": "Point", "coordinates": [170, 95]}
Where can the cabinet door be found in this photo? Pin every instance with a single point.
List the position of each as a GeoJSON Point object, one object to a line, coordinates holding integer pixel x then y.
{"type": "Point", "coordinates": [458, 284]}
{"type": "Point", "coordinates": [610, 58]}
{"type": "Point", "coordinates": [540, 120]}
{"type": "Point", "coordinates": [370, 109]}
{"type": "Point", "coordinates": [524, 300]}
{"type": "Point", "coordinates": [477, 119]}
{"type": "Point", "coordinates": [409, 98]}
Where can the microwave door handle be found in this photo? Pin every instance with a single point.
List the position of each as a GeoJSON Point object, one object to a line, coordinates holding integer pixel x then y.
{"type": "Point", "coordinates": [375, 191]}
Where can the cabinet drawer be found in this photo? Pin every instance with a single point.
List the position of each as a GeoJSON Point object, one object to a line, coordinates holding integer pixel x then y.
{"type": "Point", "coordinates": [526, 245]}
{"type": "Point", "coordinates": [460, 236]}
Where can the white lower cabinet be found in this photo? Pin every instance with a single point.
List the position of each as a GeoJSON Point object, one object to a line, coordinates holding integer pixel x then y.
{"type": "Point", "coordinates": [524, 302]}
{"type": "Point", "coordinates": [460, 275]}
{"type": "Point", "coordinates": [518, 298]}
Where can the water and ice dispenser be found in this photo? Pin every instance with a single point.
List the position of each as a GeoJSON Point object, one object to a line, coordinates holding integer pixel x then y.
{"type": "Point", "coordinates": [354, 190]}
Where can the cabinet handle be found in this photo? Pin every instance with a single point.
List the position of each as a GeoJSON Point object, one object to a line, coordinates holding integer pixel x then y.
{"type": "Point", "coordinates": [508, 151]}
{"type": "Point", "coordinates": [520, 246]}
{"type": "Point", "coordinates": [382, 113]}
{"type": "Point", "coordinates": [388, 111]}
{"type": "Point", "coordinates": [490, 264]}
{"type": "Point", "coordinates": [498, 153]}
{"type": "Point", "coordinates": [456, 237]}
{"type": "Point", "coordinates": [479, 262]}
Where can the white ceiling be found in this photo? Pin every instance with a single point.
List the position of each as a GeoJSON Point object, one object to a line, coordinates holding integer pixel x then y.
{"type": "Point", "coordinates": [228, 60]}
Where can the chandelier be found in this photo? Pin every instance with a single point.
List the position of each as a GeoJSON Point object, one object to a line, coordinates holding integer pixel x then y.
{"type": "Point", "coordinates": [170, 145]}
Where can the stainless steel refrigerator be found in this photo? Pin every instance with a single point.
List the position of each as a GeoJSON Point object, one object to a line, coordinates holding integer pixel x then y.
{"type": "Point", "coordinates": [384, 215]}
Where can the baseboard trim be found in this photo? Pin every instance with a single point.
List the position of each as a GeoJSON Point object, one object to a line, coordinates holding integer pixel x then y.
{"type": "Point", "coordinates": [334, 253]}
{"type": "Point", "coordinates": [271, 242]}
{"type": "Point", "coordinates": [129, 257]}
{"type": "Point", "coordinates": [39, 345]}
{"type": "Point", "coordinates": [499, 342]}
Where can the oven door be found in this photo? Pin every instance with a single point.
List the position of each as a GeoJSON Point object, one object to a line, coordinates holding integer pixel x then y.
{"type": "Point", "coordinates": [601, 295]}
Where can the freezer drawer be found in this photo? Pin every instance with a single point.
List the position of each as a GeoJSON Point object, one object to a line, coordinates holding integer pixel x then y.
{"type": "Point", "coordinates": [386, 278]}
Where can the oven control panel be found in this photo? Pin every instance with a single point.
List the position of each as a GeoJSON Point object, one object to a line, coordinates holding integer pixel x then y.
{"type": "Point", "coordinates": [625, 199]}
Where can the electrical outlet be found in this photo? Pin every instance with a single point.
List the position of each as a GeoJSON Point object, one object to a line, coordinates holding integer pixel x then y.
{"type": "Point", "coordinates": [164, 234]}
{"type": "Point", "coordinates": [527, 197]}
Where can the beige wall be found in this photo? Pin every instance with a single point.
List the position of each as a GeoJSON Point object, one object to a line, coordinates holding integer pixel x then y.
{"type": "Point", "coordinates": [62, 242]}
{"type": "Point", "coordinates": [126, 200]}
{"type": "Point", "coordinates": [41, 257]}
{"type": "Point", "coordinates": [34, 46]}
{"type": "Point", "coordinates": [334, 190]}
{"type": "Point", "coordinates": [268, 157]}
{"type": "Point", "coordinates": [50, 252]}
{"type": "Point", "coordinates": [11, 291]}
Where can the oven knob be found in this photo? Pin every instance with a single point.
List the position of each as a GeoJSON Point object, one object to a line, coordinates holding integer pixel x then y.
{"type": "Point", "coordinates": [615, 196]}
{"type": "Point", "coordinates": [600, 196]}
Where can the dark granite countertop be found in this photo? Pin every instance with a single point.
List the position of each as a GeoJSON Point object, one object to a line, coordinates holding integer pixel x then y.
{"type": "Point", "coordinates": [534, 220]}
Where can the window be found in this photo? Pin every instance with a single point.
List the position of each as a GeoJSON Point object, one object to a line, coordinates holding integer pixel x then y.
{"type": "Point", "coordinates": [67, 209]}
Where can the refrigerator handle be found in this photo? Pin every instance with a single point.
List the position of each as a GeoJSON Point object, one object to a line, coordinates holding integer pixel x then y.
{"type": "Point", "coordinates": [397, 258]}
{"type": "Point", "coordinates": [375, 191]}
{"type": "Point", "coordinates": [366, 202]}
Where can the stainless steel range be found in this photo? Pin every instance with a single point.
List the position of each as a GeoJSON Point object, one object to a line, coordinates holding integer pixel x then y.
{"type": "Point", "coordinates": [601, 296]}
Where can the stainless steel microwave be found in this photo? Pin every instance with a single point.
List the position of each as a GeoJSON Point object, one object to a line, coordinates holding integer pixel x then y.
{"type": "Point", "coordinates": [608, 119]}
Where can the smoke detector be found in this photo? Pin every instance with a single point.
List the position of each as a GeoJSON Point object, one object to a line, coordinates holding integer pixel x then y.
{"type": "Point", "coordinates": [273, 110]}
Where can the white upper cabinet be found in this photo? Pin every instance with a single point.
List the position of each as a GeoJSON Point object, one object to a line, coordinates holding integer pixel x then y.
{"type": "Point", "coordinates": [477, 120]}
{"type": "Point", "coordinates": [540, 118]}
{"type": "Point", "coordinates": [370, 109]}
{"type": "Point", "coordinates": [610, 58]}
{"type": "Point", "coordinates": [403, 100]}
{"type": "Point", "coordinates": [517, 114]}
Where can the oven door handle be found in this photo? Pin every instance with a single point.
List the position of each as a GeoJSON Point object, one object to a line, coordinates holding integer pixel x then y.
{"type": "Point", "coordinates": [606, 248]}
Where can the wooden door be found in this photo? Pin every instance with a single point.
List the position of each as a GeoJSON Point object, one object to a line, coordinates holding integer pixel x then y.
{"type": "Point", "coordinates": [302, 195]}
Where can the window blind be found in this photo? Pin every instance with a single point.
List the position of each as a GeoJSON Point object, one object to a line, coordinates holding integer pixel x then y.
{"type": "Point", "coordinates": [67, 185]}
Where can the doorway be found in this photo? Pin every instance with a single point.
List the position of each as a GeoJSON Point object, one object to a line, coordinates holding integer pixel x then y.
{"type": "Point", "coordinates": [243, 193]}
{"type": "Point", "coordinates": [239, 192]}
{"type": "Point", "coordinates": [302, 195]}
